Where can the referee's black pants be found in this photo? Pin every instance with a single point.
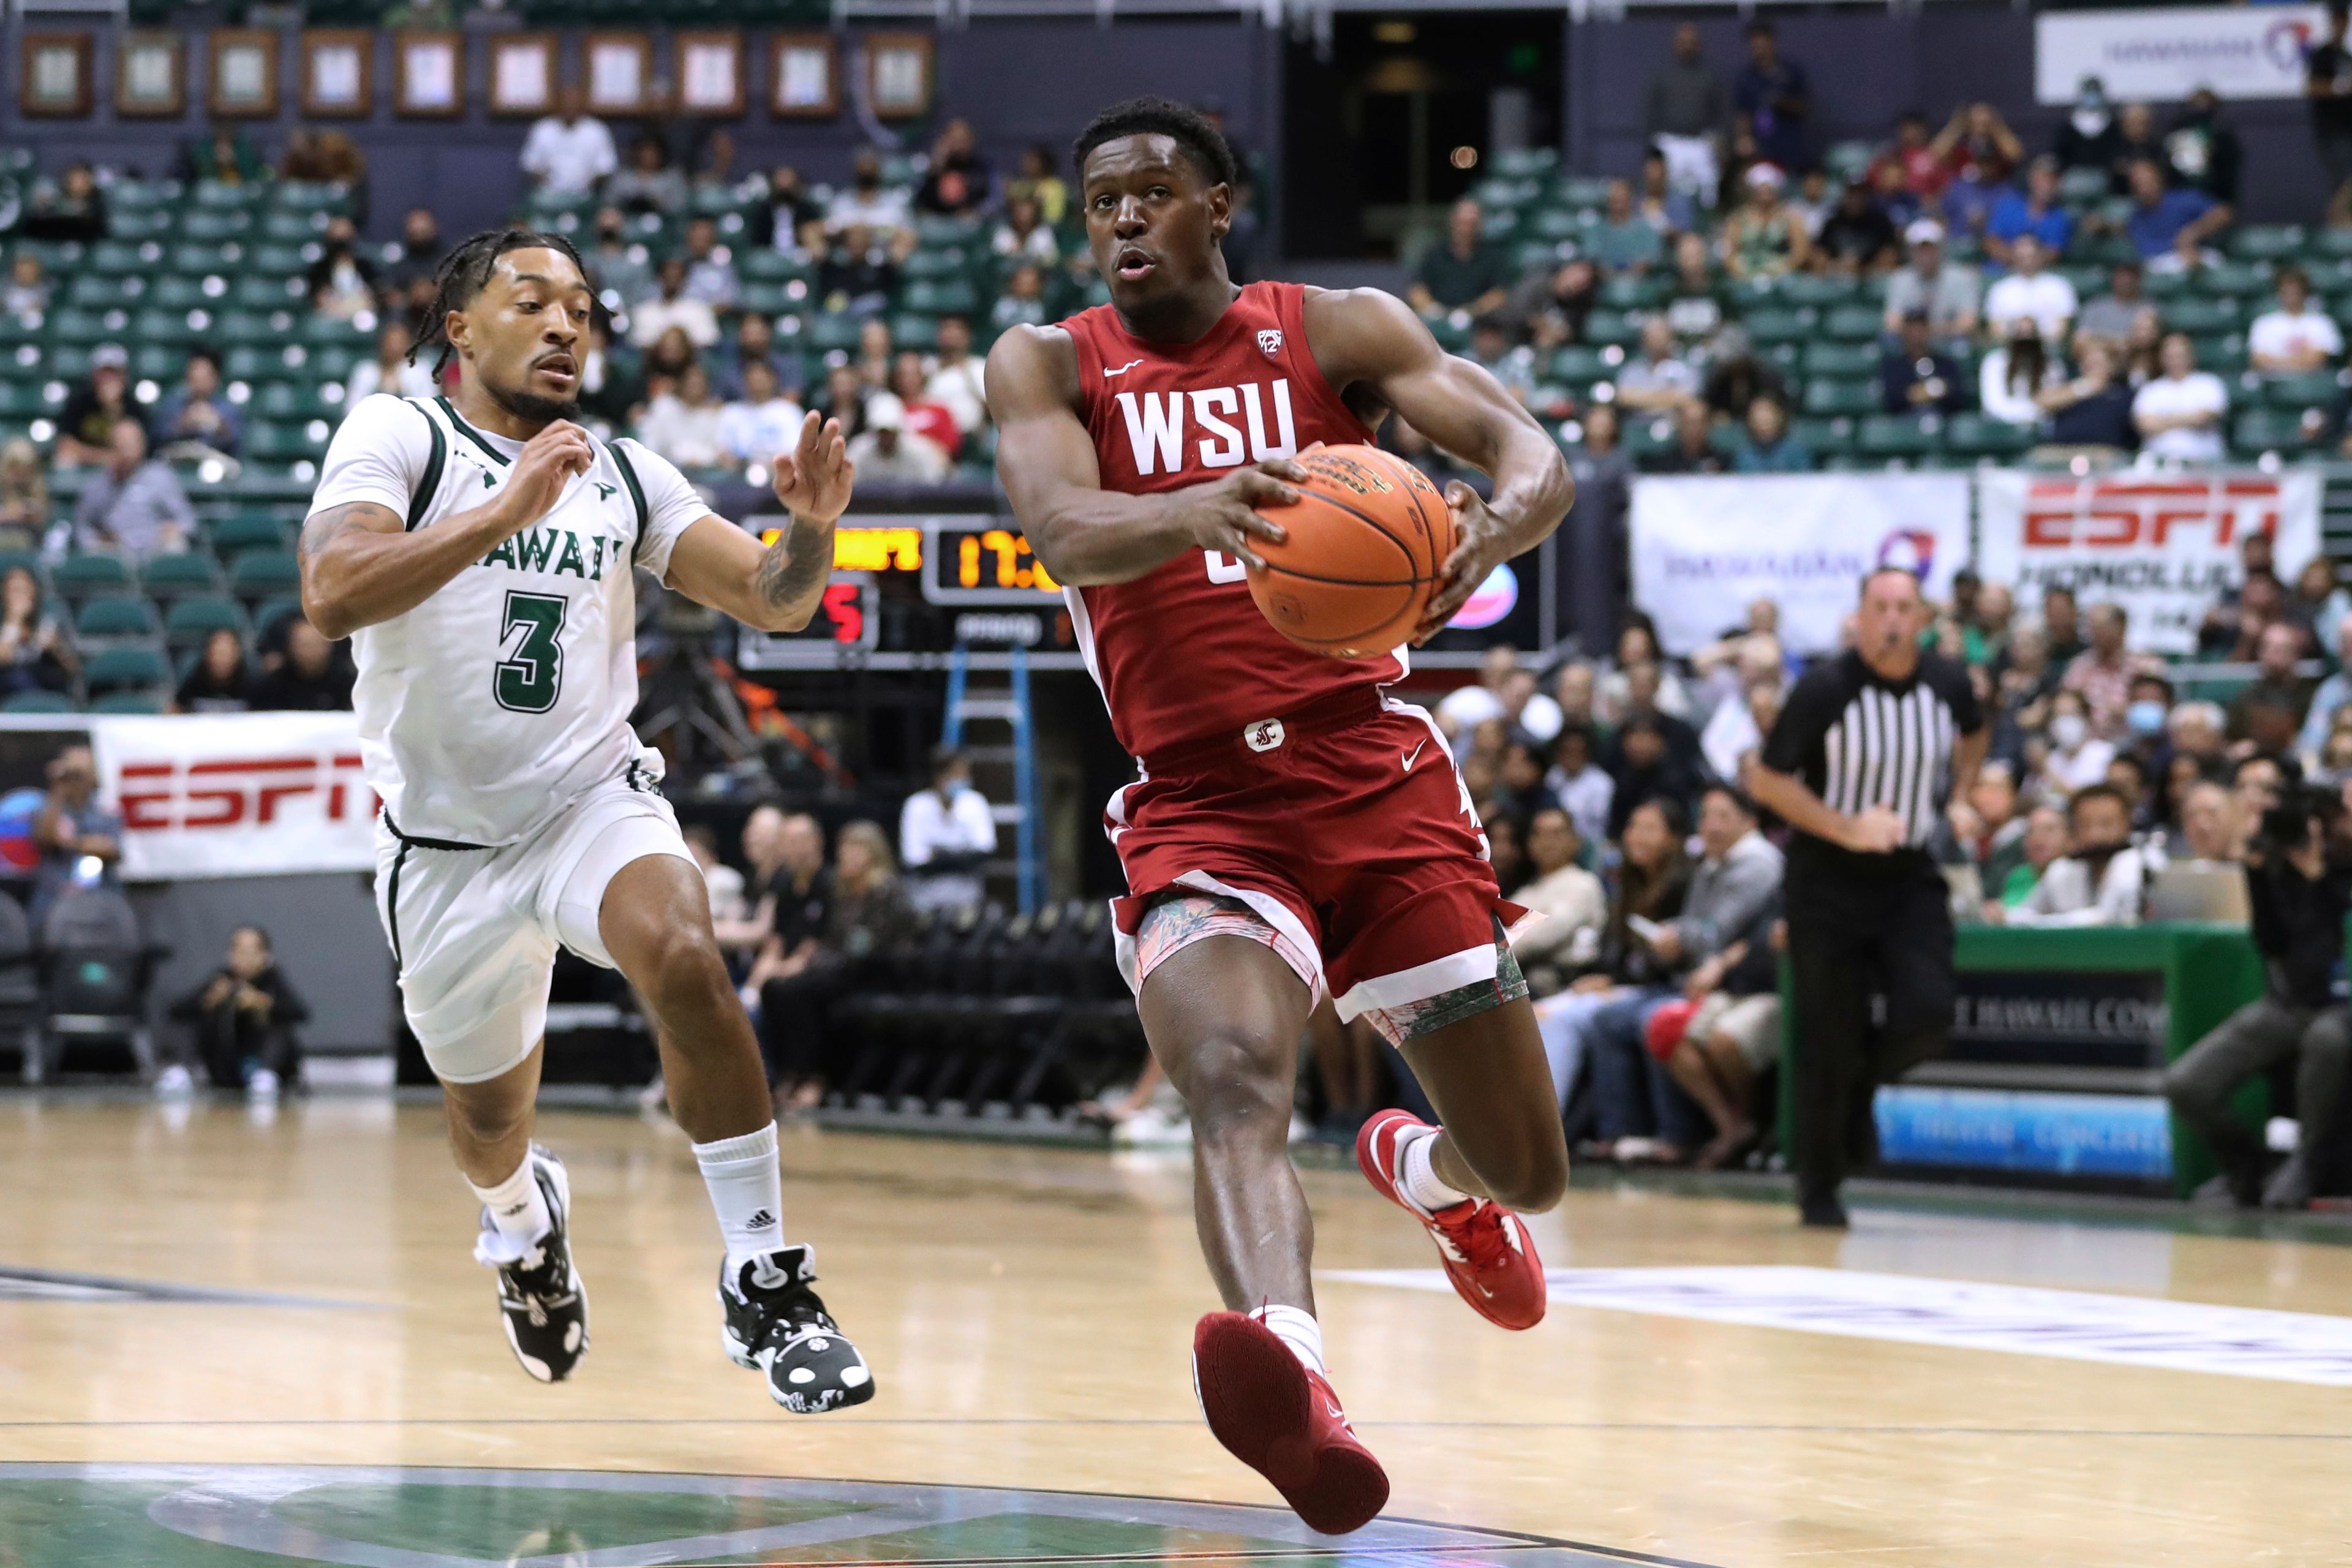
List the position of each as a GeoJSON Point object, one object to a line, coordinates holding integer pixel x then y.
{"type": "Point", "coordinates": [1851, 938]}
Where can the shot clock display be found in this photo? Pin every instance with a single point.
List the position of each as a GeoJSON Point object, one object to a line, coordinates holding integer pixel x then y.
{"type": "Point", "coordinates": [984, 562]}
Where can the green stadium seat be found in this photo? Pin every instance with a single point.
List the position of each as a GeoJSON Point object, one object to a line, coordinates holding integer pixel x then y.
{"type": "Point", "coordinates": [1780, 326]}
{"type": "Point", "coordinates": [1820, 289]}
{"type": "Point", "coordinates": [1823, 358]}
{"type": "Point", "coordinates": [326, 197]}
{"type": "Point", "coordinates": [2223, 353]}
{"type": "Point", "coordinates": [1647, 437]}
{"type": "Point", "coordinates": [261, 291]}
{"type": "Point", "coordinates": [2259, 430]}
{"type": "Point", "coordinates": [1824, 437]}
{"type": "Point", "coordinates": [177, 291]}
{"type": "Point", "coordinates": [30, 559]}
{"type": "Point", "coordinates": [1899, 435]}
{"type": "Point", "coordinates": [933, 231]}
{"type": "Point", "coordinates": [276, 608]}
{"type": "Point", "coordinates": [253, 361]}
{"type": "Point", "coordinates": [1829, 398]}
{"type": "Point", "coordinates": [298, 400]}
{"type": "Point", "coordinates": [25, 400]}
{"type": "Point", "coordinates": [171, 326]}
{"type": "Point", "coordinates": [2269, 242]}
{"type": "Point", "coordinates": [198, 260]}
{"type": "Point", "coordinates": [258, 573]}
{"type": "Point", "coordinates": [1853, 323]}
{"type": "Point", "coordinates": [252, 328]}
{"type": "Point", "coordinates": [190, 622]}
{"type": "Point", "coordinates": [1980, 435]}
{"type": "Point", "coordinates": [98, 291]}
{"type": "Point", "coordinates": [90, 573]}
{"type": "Point", "coordinates": [326, 332]}
{"type": "Point", "coordinates": [772, 299]}
{"type": "Point", "coordinates": [2232, 279]}
{"type": "Point", "coordinates": [169, 577]}
{"type": "Point", "coordinates": [115, 616]}
{"type": "Point", "coordinates": [1628, 291]}
{"type": "Point", "coordinates": [2310, 389]}
{"type": "Point", "coordinates": [915, 331]}
{"type": "Point", "coordinates": [833, 331]}
{"type": "Point", "coordinates": [1848, 160]}
{"type": "Point", "coordinates": [272, 441]}
{"type": "Point", "coordinates": [216, 228]}
{"type": "Point", "coordinates": [292, 228]}
{"type": "Point", "coordinates": [37, 702]}
{"type": "Point", "coordinates": [233, 535]}
{"type": "Point", "coordinates": [57, 256]}
{"type": "Point", "coordinates": [944, 297]}
{"type": "Point", "coordinates": [2198, 317]}
{"type": "Point", "coordinates": [133, 225]}
{"type": "Point", "coordinates": [144, 195]}
{"type": "Point", "coordinates": [1579, 366]}
{"type": "Point", "coordinates": [1526, 163]}
{"type": "Point", "coordinates": [123, 259]}
{"type": "Point", "coordinates": [86, 327]}
{"type": "Point", "coordinates": [2092, 250]}
{"type": "Point", "coordinates": [220, 195]}
{"type": "Point", "coordinates": [158, 363]}
{"type": "Point", "coordinates": [277, 260]}
{"type": "Point", "coordinates": [129, 701]}
{"type": "Point", "coordinates": [1618, 327]}
{"type": "Point", "coordinates": [763, 264]}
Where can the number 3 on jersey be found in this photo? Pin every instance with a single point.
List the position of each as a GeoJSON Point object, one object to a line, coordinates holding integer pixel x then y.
{"type": "Point", "coordinates": [528, 680]}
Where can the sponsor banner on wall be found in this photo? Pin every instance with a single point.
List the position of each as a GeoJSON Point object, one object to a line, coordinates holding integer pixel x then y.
{"type": "Point", "coordinates": [1704, 548]}
{"type": "Point", "coordinates": [2164, 546]}
{"type": "Point", "coordinates": [237, 794]}
{"type": "Point", "coordinates": [2166, 53]}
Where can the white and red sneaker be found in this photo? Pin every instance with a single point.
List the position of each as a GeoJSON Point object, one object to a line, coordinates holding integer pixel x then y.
{"type": "Point", "coordinates": [1284, 1422]}
{"type": "Point", "coordinates": [1487, 1249]}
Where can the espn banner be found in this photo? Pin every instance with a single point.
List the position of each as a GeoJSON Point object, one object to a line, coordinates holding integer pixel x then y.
{"type": "Point", "coordinates": [2164, 546]}
{"type": "Point", "coordinates": [2165, 53]}
{"type": "Point", "coordinates": [237, 794]}
{"type": "Point", "coordinates": [1705, 547]}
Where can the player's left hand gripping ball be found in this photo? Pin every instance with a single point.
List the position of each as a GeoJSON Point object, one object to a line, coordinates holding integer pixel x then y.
{"type": "Point", "coordinates": [1480, 548]}
{"type": "Point", "coordinates": [813, 479]}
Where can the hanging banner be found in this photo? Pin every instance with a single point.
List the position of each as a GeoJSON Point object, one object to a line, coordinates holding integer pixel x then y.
{"type": "Point", "coordinates": [2164, 546]}
{"type": "Point", "coordinates": [1706, 547]}
{"type": "Point", "coordinates": [2166, 53]}
{"type": "Point", "coordinates": [237, 794]}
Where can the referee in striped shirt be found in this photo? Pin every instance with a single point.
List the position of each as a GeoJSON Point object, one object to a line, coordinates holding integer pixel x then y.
{"type": "Point", "coordinates": [1867, 750]}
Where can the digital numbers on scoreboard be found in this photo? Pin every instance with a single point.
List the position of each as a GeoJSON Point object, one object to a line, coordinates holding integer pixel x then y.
{"type": "Point", "coordinates": [984, 562]}
{"type": "Point", "coordinates": [845, 622]}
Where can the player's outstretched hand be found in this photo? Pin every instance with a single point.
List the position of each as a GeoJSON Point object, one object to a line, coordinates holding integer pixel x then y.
{"type": "Point", "coordinates": [1221, 515]}
{"type": "Point", "coordinates": [550, 460]}
{"type": "Point", "coordinates": [814, 480]}
{"type": "Point", "coordinates": [1482, 542]}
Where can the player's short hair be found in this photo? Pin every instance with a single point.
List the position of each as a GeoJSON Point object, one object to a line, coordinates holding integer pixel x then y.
{"type": "Point", "coordinates": [1732, 793]}
{"type": "Point", "coordinates": [465, 272]}
{"type": "Point", "coordinates": [1862, 589]}
{"type": "Point", "coordinates": [1202, 141]}
{"type": "Point", "coordinates": [2098, 792]}
{"type": "Point", "coordinates": [261, 931]}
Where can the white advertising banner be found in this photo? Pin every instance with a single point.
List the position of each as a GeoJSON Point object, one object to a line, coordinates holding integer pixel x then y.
{"type": "Point", "coordinates": [2161, 545]}
{"type": "Point", "coordinates": [237, 794]}
{"type": "Point", "coordinates": [2166, 53]}
{"type": "Point", "coordinates": [1705, 547]}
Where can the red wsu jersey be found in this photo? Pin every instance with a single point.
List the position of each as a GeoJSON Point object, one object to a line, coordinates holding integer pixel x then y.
{"type": "Point", "coordinates": [1182, 652]}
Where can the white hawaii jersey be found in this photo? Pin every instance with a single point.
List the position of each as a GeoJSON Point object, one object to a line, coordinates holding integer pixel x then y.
{"type": "Point", "coordinates": [506, 695]}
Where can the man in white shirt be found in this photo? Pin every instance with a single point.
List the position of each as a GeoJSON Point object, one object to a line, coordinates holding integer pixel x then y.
{"type": "Point", "coordinates": [1466, 707]}
{"type": "Point", "coordinates": [2294, 337]}
{"type": "Point", "coordinates": [568, 152]}
{"type": "Point", "coordinates": [886, 450]}
{"type": "Point", "coordinates": [958, 380]}
{"type": "Point", "coordinates": [2099, 883]}
{"type": "Point", "coordinates": [867, 202]}
{"type": "Point", "coordinates": [946, 834]}
{"type": "Point", "coordinates": [1571, 901]}
{"type": "Point", "coordinates": [2179, 412]}
{"type": "Point", "coordinates": [673, 306]}
{"type": "Point", "coordinates": [2032, 293]}
{"type": "Point", "coordinates": [762, 422]}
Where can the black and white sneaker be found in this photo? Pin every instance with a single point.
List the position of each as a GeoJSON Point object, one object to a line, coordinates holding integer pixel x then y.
{"type": "Point", "coordinates": [776, 1324]}
{"type": "Point", "coordinates": [540, 1299]}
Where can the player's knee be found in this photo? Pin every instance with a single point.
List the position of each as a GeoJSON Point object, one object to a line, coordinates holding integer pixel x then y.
{"type": "Point", "coordinates": [483, 1118]}
{"type": "Point", "coordinates": [1526, 1171]}
{"type": "Point", "coordinates": [685, 973]}
{"type": "Point", "coordinates": [1232, 1086]}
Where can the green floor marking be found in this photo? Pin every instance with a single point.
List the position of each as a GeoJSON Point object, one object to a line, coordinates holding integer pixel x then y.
{"type": "Point", "coordinates": [488, 1521]}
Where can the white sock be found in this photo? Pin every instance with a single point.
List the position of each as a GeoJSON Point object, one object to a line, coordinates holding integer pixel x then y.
{"type": "Point", "coordinates": [1297, 1327]}
{"type": "Point", "coordinates": [746, 1190]}
{"type": "Point", "coordinates": [1417, 1174]}
{"type": "Point", "coordinates": [517, 1208]}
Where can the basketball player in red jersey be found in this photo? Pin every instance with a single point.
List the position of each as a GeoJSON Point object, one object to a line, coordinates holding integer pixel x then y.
{"type": "Point", "coordinates": [1295, 831]}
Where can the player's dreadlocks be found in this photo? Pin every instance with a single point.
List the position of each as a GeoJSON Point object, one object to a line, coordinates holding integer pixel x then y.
{"type": "Point", "coordinates": [466, 271]}
{"type": "Point", "coordinates": [1193, 130]}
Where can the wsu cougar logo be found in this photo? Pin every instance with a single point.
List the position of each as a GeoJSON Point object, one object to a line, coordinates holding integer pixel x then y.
{"type": "Point", "coordinates": [1270, 339]}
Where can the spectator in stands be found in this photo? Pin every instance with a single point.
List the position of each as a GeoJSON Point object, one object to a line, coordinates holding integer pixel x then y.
{"type": "Point", "coordinates": [1461, 275]}
{"type": "Point", "coordinates": [2093, 408]}
{"type": "Point", "coordinates": [2045, 842]}
{"type": "Point", "coordinates": [946, 835]}
{"type": "Point", "coordinates": [867, 914]}
{"type": "Point", "coordinates": [1652, 876]}
{"type": "Point", "coordinates": [1663, 207]}
{"type": "Point", "coordinates": [2032, 294]}
{"type": "Point", "coordinates": [1948, 291]}
{"type": "Point", "coordinates": [1693, 451]}
{"type": "Point", "coordinates": [568, 153]}
{"type": "Point", "coordinates": [2256, 560]}
{"type": "Point", "coordinates": [2015, 376]}
{"type": "Point", "coordinates": [217, 682]}
{"type": "Point", "coordinates": [70, 209]}
{"type": "Point", "coordinates": [223, 156]}
{"type": "Point", "coordinates": [419, 249]}
{"type": "Point", "coordinates": [1645, 766]}
{"type": "Point", "coordinates": [2103, 672]}
{"type": "Point", "coordinates": [651, 182]}
{"type": "Point", "coordinates": [314, 677]}
{"type": "Point", "coordinates": [323, 157]}
{"type": "Point", "coordinates": [1923, 170]}
{"type": "Point", "coordinates": [2327, 87]}
{"type": "Point", "coordinates": [2276, 685]}
{"type": "Point", "coordinates": [198, 412]}
{"type": "Point", "coordinates": [2294, 338]}
{"type": "Point", "coordinates": [760, 424]}
{"type": "Point", "coordinates": [956, 378]}
{"type": "Point", "coordinates": [1572, 903]}
{"type": "Point", "coordinates": [1733, 730]}
{"type": "Point", "coordinates": [2317, 604]}
{"type": "Point", "coordinates": [342, 283]}
{"type": "Point", "coordinates": [845, 395]}
{"type": "Point", "coordinates": [244, 1019]}
{"type": "Point", "coordinates": [1685, 113]}
{"type": "Point", "coordinates": [742, 931]}
{"type": "Point", "coordinates": [1979, 151]}
{"type": "Point", "coordinates": [1725, 936]}
{"type": "Point", "coordinates": [792, 208]}
{"type": "Point", "coordinates": [622, 275]}
{"type": "Point", "coordinates": [2204, 154]}
{"type": "Point", "coordinates": [673, 306]}
{"type": "Point", "coordinates": [24, 494]}
{"type": "Point", "coordinates": [1577, 780]}
{"type": "Point", "coordinates": [687, 424]}
{"type": "Point", "coordinates": [1765, 238]}
{"type": "Point", "coordinates": [957, 183]}
{"type": "Point", "coordinates": [2168, 225]}
{"type": "Point", "coordinates": [2136, 139]}
{"type": "Point", "coordinates": [1811, 201]}
{"type": "Point", "coordinates": [2299, 890]}
{"type": "Point", "coordinates": [1492, 351]}
{"type": "Point", "coordinates": [2036, 210]}
{"type": "Point", "coordinates": [1915, 376]}
{"type": "Point", "coordinates": [2205, 836]}
{"type": "Point", "coordinates": [2178, 413]}
{"type": "Point", "coordinates": [391, 371]}
{"type": "Point", "coordinates": [26, 296]}
{"type": "Point", "coordinates": [755, 344]}
{"type": "Point", "coordinates": [859, 272]}
{"type": "Point", "coordinates": [886, 452]}
{"type": "Point", "coordinates": [1857, 236]}
{"type": "Point", "coordinates": [1774, 100]}
{"type": "Point", "coordinates": [1022, 304]}
{"type": "Point", "coordinates": [709, 271]}
{"type": "Point", "coordinates": [1735, 378]}
{"type": "Point", "coordinates": [1657, 381]}
{"type": "Point", "coordinates": [867, 202]}
{"type": "Point", "coordinates": [1037, 182]}
{"type": "Point", "coordinates": [134, 502]}
{"type": "Point", "coordinates": [2090, 138]}
{"type": "Point", "coordinates": [93, 410]}
{"type": "Point", "coordinates": [1467, 706]}
{"type": "Point", "coordinates": [1891, 194]}
{"type": "Point", "coordinates": [2098, 881]}
{"type": "Point", "coordinates": [34, 654]}
{"type": "Point", "coordinates": [1555, 305]}
{"type": "Point", "coordinates": [79, 839]}
{"type": "Point", "coordinates": [1767, 447]}
{"type": "Point", "coordinates": [2331, 695]}
{"type": "Point", "coordinates": [1023, 232]}
{"type": "Point", "coordinates": [2060, 627]}
{"type": "Point", "coordinates": [1620, 241]}
{"type": "Point", "coordinates": [2077, 757]}
{"type": "Point", "coordinates": [2115, 314]}
{"type": "Point", "coordinates": [932, 420]}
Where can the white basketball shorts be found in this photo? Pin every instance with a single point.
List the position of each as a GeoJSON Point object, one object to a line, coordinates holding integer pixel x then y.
{"type": "Point", "coordinates": [474, 932]}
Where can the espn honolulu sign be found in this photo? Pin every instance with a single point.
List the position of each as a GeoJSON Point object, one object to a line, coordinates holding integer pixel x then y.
{"type": "Point", "coordinates": [2163, 546]}
{"type": "Point", "coordinates": [238, 794]}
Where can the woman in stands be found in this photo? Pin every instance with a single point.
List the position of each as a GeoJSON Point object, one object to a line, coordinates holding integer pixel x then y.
{"type": "Point", "coordinates": [34, 655]}
{"type": "Point", "coordinates": [869, 914]}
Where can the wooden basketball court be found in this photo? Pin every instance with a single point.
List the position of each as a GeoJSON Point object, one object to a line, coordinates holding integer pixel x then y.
{"type": "Point", "coordinates": [235, 1340]}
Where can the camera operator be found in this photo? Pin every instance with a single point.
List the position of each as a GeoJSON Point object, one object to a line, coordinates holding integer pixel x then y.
{"type": "Point", "coordinates": [2299, 880]}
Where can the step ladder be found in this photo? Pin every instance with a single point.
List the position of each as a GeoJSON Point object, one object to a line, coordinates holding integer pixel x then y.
{"type": "Point", "coordinates": [1007, 705]}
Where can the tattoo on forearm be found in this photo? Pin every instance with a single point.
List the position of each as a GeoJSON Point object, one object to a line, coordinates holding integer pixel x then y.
{"type": "Point", "coordinates": [324, 528]}
{"type": "Point", "coordinates": [796, 565]}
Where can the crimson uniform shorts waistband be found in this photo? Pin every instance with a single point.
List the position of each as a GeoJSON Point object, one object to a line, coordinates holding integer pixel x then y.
{"type": "Point", "coordinates": [1217, 753]}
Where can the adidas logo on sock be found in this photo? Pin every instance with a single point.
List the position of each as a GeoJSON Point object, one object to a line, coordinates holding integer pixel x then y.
{"type": "Point", "coordinates": [760, 1221]}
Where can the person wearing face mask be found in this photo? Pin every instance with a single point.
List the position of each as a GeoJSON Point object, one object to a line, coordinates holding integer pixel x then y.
{"type": "Point", "coordinates": [2098, 884]}
{"type": "Point", "coordinates": [2103, 672]}
{"type": "Point", "coordinates": [2077, 758]}
{"type": "Point", "coordinates": [2146, 739]}
{"type": "Point", "coordinates": [946, 835]}
{"type": "Point", "coordinates": [2090, 139]}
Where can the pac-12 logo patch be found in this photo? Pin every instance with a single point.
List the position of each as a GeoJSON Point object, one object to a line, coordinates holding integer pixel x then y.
{"type": "Point", "coordinates": [1269, 338]}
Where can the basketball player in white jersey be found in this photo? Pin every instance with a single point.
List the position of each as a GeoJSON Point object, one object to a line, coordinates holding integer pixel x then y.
{"type": "Point", "coordinates": [477, 548]}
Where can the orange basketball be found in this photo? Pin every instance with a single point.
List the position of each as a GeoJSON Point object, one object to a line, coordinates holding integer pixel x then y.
{"type": "Point", "coordinates": [1368, 534]}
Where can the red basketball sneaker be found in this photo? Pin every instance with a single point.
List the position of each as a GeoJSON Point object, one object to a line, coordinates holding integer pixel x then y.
{"type": "Point", "coordinates": [1284, 1422]}
{"type": "Point", "coordinates": [1487, 1252]}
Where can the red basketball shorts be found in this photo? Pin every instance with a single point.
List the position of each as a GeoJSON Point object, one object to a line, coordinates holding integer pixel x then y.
{"type": "Point", "coordinates": [1351, 839]}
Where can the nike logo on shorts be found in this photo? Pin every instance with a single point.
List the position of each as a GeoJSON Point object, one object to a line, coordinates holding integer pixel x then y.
{"type": "Point", "coordinates": [1414, 755]}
